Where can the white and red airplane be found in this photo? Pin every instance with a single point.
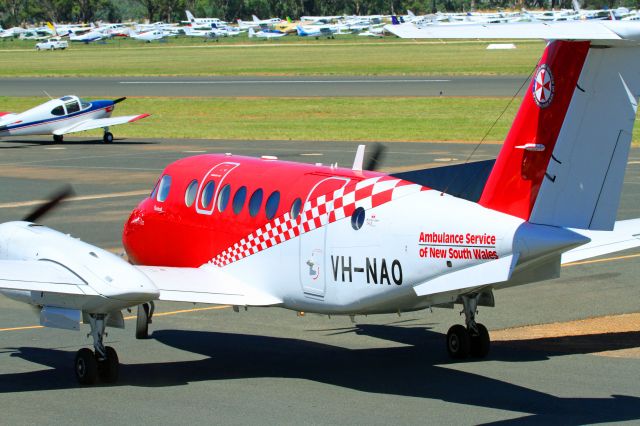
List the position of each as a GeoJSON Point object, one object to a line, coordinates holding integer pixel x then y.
{"type": "Point", "coordinates": [68, 114]}
{"type": "Point", "coordinates": [242, 231]}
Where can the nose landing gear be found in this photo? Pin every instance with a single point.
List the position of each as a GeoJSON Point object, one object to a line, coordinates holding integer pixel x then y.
{"type": "Point", "coordinates": [102, 364]}
{"type": "Point", "coordinates": [472, 340]}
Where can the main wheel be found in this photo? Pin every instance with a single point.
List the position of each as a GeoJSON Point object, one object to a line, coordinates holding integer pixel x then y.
{"type": "Point", "coordinates": [458, 342]}
{"type": "Point", "coordinates": [86, 367]}
{"type": "Point", "coordinates": [108, 368]}
{"type": "Point", "coordinates": [58, 138]}
{"type": "Point", "coordinates": [108, 137]}
{"type": "Point", "coordinates": [142, 322]}
{"type": "Point", "coordinates": [481, 342]}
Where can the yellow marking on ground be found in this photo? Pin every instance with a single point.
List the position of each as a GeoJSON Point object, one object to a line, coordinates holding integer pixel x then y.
{"type": "Point", "coordinates": [607, 259]}
{"type": "Point", "coordinates": [78, 198]}
{"type": "Point", "coordinates": [28, 327]}
{"type": "Point", "coordinates": [130, 317]}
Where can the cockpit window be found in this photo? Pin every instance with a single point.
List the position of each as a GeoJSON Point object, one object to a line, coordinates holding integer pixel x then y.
{"type": "Point", "coordinates": [191, 192]}
{"type": "Point", "coordinates": [255, 202]}
{"type": "Point", "coordinates": [72, 107]}
{"type": "Point", "coordinates": [272, 204]}
{"type": "Point", "coordinates": [207, 194]}
{"type": "Point", "coordinates": [223, 198]}
{"type": "Point", "coordinates": [163, 188]}
{"type": "Point", "coordinates": [84, 104]}
{"type": "Point", "coordinates": [59, 110]}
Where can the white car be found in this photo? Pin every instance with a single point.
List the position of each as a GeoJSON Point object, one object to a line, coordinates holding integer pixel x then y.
{"type": "Point", "coordinates": [52, 44]}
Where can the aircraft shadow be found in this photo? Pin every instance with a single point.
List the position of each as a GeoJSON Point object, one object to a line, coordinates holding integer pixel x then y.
{"type": "Point", "coordinates": [24, 143]}
{"type": "Point", "coordinates": [417, 370]}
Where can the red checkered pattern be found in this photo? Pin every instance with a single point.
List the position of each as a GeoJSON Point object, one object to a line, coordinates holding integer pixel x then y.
{"type": "Point", "coordinates": [319, 212]}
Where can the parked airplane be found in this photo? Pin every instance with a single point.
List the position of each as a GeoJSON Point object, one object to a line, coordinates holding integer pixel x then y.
{"type": "Point", "coordinates": [68, 114]}
{"type": "Point", "coordinates": [203, 23]}
{"type": "Point", "coordinates": [148, 36]}
{"type": "Point", "coordinates": [265, 34]}
{"type": "Point", "coordinates": [242, 231]}
{"type": "Point", "coordinates": [320, 31]}
{"type": "Point", "coordinates": [257, 23]}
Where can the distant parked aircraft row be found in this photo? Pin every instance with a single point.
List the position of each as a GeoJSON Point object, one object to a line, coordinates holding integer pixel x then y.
{"type": "Point", "coordinates": [307, 26]}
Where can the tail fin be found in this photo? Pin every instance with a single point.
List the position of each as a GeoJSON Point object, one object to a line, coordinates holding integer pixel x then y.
{"type": "Point", "coordinates": [394, 20]}
{"type": "Point", "coordinates": [563, 161]}
{"type": "Point", "coordinates": [190, 17]}
{"type": "Point", "coordinates": [255, 19]}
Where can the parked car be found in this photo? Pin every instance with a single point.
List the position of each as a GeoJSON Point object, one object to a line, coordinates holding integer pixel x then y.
{"type": "Point", "coordinates": [52, 44]}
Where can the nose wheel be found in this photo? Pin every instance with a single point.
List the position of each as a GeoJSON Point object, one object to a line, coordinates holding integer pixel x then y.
{"type": "Point", "coordinates": [58, 138]}
{"type": "Point", "coordinates": [472, 340]}
{"type": "Point", "coordinates": [107, 137]}
{"type": "Point", "coordinates": [102, 363]}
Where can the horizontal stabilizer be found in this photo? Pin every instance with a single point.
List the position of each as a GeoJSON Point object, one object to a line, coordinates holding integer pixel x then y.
{"type": "Point", "coordinates": [99, 123]}
{"type": "Point", "coordinates": [207, 284]}
{"type": "Point", "coordinates": [495, 271]}
{"type": "Point", "coordinates": [625, 235]}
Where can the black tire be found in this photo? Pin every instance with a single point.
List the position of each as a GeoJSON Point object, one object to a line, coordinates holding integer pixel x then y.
{"type": "Point", "coordinates": [142, 322]}
{"type": "Point", "coordinates": [58, 138]}
{"type": "Point", "coordinates": [458, 342]}
{"type": "Point", "coordinates": [480, 342]}
{"type": "Point", "coordinates": [86, 367]}
{"type": "Point", "coordinates": [108, 137]}
{"type": "Point", "coordinates": [108, 368]}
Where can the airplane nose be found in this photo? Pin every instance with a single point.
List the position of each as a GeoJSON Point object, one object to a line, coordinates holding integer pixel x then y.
{"type": "Point", "coordinates": [132, 233]}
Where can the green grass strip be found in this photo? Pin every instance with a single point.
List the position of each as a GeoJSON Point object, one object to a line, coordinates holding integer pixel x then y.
{"type": "Point", "coordinates": [323, 119]}
{"type": "Point", "coordinates": [293, 57]}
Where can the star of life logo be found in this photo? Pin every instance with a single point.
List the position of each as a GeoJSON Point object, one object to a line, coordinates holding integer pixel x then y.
{"type": "Point", "coordinates": [543, 86]}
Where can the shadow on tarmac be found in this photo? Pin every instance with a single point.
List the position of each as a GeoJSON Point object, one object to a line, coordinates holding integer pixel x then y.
{"type": "Point", "coordinates": [24, 143]}
{"type": "Point", "coordinates": [416, 370]}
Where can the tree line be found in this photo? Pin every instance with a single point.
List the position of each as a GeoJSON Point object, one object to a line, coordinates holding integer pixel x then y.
{"type": "Point", "coordinates": [20, 12]}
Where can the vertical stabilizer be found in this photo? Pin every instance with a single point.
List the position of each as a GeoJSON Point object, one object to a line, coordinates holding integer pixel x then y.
{"type": "Point", "coordinates": [563, 161]}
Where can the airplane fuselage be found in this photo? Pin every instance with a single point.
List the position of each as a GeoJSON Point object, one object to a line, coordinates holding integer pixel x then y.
{"type": "Point", "coordinates": [359, 244]}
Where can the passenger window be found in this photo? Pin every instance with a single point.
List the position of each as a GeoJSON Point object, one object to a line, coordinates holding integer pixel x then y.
{"type": "Point", "coordinates": [272, 204]}
{"type": "Point", "coordinates": [255, 202]}
{"type": "Point", "coordinates": [295, 208]}
{"type": "Point", "coordinates": [238, 199]}
{"type": "Point", "coordinates": [190, 194]}
{"type": "Point", "coordinates": [207, 194]}
{"type": "Point", "coordinates": [223, 198]}
{"type": "Point", "coordinates": [163, 188]}
{"type": "Point", "coordinates": [72, 107]}
{"type": "Point", "coordinates": [59, 110]}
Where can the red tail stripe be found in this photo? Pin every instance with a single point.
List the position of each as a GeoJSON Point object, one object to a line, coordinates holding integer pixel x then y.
{"type": "Point", "coordinates": [514, 183]}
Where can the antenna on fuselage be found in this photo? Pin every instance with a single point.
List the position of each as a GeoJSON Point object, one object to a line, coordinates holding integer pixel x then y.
{"type": "Point", "coordinates": [45, 92]}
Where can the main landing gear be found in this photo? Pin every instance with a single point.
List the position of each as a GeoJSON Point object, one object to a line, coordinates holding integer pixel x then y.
{"type": "Point", "coordinates": [145, 313]}
{"type": "Point", "coordinates": [58, 138]}
{"type": "Point", "coordinates": [107, 137]}
{"type": "Point", "coordinates": [102, 364]}
{"type": "Point", "coordinates": [472, 340]}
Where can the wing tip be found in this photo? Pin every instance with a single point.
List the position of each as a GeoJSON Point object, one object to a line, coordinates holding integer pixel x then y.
{"type": "Point", "coordinates": [139, 117]}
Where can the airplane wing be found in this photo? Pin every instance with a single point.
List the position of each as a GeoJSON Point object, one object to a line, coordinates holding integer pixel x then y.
{"type": "Point", "coordinates": [98, 123]}
{"type": "Point", "coordinates": [579, 30]}
{"type": "Point", "coordinates": [37, 275]}
{"type": "Point", "coordinates": [207, 284]}
{"type": "Point", "coordinates": [625, 235]}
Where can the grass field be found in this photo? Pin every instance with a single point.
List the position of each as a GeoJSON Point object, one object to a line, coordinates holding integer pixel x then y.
{"type": "Point", "coordinates": [294, 56]}
{"type": "Point", "coordinates": [323, 119]}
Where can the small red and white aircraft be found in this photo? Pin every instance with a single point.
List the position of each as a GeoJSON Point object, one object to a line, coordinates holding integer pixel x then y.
{"type": "Point", "coordinates": [242, 231]}
{"type": "Point", "coordinates": [68, 114]}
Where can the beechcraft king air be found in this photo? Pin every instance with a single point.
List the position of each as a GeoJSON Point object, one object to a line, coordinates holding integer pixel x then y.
{"type": "Point", "coordinates": [232, 230]}
{"type": "Point", "coordinates": [68, 114]}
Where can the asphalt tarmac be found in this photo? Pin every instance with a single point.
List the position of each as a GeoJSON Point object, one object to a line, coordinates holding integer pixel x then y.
{"type": "Point", "coordinates": [264, 86]}
{"type": "Point", "coordinates": [270, 366]}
